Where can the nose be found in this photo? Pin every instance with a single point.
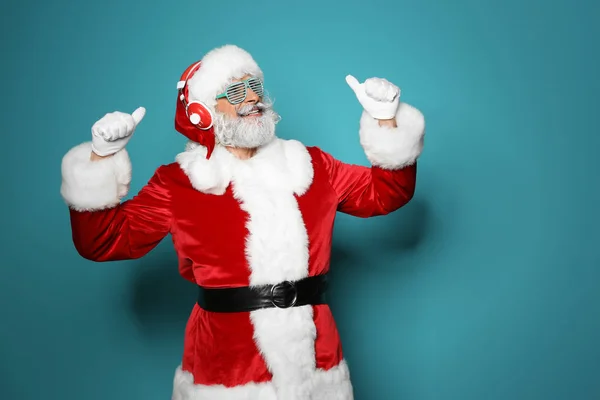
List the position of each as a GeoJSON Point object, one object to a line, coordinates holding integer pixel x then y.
{"type": "Point", "coordinates": [252, 97]}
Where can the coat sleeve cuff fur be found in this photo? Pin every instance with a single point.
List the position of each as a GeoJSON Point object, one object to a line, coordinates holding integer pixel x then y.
{"type": "Point", "coordinates": [393, 148]}
{"type": "Point", "coordinates": [94, 185]}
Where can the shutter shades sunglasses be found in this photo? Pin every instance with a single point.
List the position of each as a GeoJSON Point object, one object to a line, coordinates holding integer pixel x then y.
{"type": "Point", "coordinates": [238, 91]}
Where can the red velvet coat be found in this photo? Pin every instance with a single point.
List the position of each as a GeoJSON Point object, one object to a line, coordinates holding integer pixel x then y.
{"type": "Point", "coordinates": [245, 222]}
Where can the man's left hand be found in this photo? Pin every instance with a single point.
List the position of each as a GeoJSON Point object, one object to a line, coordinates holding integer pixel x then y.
{"type": "Point", "coordinates": [379, 97]}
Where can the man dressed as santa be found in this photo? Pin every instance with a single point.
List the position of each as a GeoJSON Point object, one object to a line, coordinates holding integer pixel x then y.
{"type": "Point", "coordinates": [251, 218]}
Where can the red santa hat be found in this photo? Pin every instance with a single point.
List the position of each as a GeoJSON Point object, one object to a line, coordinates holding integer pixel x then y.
{"type": "Point", "coordinates": [203, 81]}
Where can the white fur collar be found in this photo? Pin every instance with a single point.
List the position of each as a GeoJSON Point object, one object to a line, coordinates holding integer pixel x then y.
{"type": "Point", "coordinates": [281, 163]}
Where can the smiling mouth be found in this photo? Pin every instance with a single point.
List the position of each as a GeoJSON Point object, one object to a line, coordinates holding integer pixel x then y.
{"type": "Point", "coordinates": [254, 113]}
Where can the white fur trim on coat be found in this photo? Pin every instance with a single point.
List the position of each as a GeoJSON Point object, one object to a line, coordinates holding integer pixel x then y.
{"type": "Point", "coordinates": [93, 185]}
{"type": "Point", "coordinates": [218, 68]}
{"type": "Point", "coordinates": [210, 176]}
{"type": "Point", "coordinates": [277, 250]}
{"type": "Point", "coordinates": [333, 384]}
{"type": "Point", "coordinates": [393, 148]}
{"type": "Point", "coordinates": [213, 175]}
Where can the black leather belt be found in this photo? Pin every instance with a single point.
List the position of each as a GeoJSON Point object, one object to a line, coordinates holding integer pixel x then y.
{"type": "Point", "coordinates": [286, 294]}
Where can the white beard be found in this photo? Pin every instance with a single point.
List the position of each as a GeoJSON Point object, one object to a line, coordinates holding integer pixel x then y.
{"type": "Point", "coordinates": [246, 132]}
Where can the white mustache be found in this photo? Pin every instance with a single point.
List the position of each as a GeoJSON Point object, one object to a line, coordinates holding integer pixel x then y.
{"type": "Point", "coordinates": [260, 107]}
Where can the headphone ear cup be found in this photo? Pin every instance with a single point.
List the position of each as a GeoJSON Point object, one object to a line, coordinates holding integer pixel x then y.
{"type": "Point", "coordinates": [200, 115]}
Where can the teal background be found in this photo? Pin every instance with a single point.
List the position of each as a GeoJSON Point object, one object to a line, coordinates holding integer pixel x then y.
{"type": "Point", "coordinates": [486, 286]}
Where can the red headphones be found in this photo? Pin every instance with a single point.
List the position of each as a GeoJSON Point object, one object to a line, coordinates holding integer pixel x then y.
{"type": "Point", "coordinates": [197, 112]}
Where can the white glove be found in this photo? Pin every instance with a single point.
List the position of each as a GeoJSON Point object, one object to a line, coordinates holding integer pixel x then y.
{"type": "Point", "coordinates": [379, 97]}
{"type": "Point", "coordinates": [112, 132]}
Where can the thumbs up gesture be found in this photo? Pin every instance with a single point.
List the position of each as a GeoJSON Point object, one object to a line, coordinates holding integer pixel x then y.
{"type": "Point", "coordinates": [379, 97]}
{"type": "Point", "coordinates": [112, 132]}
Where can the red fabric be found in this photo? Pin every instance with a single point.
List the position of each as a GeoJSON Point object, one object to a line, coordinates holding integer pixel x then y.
{"type": "Point", "coordinates": [328, 346]}
{"type": "Point", "coordinates": [128, 231]}
{"type": "Point", "coordinates": [219, 348]}
{"type": "Point", "coordinates": [368, 191]}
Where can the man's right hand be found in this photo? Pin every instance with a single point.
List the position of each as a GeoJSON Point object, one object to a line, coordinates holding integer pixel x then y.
{"type": "Point", "coordinates": [112, 132]}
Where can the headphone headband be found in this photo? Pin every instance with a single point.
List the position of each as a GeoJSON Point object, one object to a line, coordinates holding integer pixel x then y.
{"type": "Point", "coordinates": [187, 74]}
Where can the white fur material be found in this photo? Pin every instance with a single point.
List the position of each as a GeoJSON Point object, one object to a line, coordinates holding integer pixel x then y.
{"type": "Point", "coordinates": [218, 68]}
{"type": "Point", "coordinates": [94, 185]}
{"type": "Point", "coordinates": [210, 176]}
{"type": "Point", "coordinates": [393, 148]}
{"type": "Point", "coordinates": [333, 384]}
{"type": "Point", "coordinates": [277, 250]}
{"type": "Point", "coordinates": [214, 175]}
